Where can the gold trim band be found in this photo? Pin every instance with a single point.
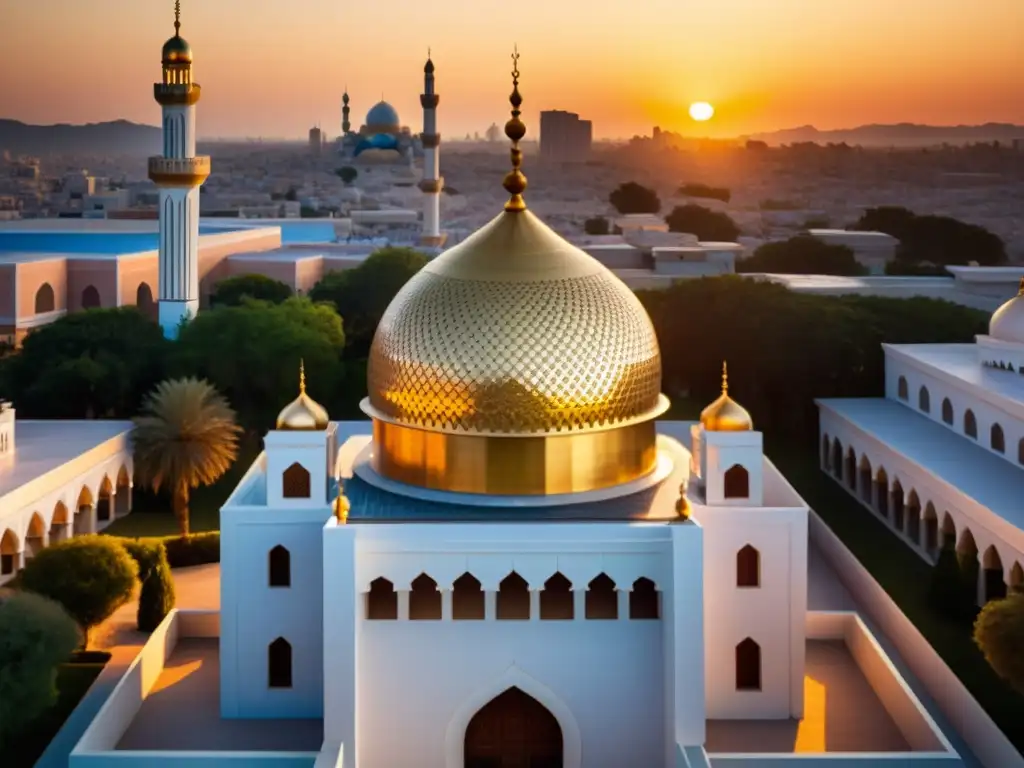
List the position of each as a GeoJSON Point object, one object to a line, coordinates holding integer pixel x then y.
{"type": "Point", "coordinates": [177, 95]}
{"type": "Point", "coordinates": [519, 466]}
{"type": "Point", "coordinates": [179, 179]}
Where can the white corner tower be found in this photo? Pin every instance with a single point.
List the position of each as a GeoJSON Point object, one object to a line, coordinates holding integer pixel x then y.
{"type": "Point", "coordinates": [432, 182]}
{"type": "Point", "coordinates": [178, 173]}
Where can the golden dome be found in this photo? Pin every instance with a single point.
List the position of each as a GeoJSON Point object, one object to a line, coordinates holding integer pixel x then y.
{"type": "Point", "coordinates": [515, 331]}
{"type": "Point", "coordinates": [177, 50]}
{"type": "Point", "coordinates": [303, 413]}
{"type": "Point", "coordinates": [514, 363]}
{"type": "Point", "coordinates": [725, 414]}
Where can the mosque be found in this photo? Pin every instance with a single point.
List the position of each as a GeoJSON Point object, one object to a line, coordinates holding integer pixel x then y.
{"type": "Point", "coordinates": [382, 136]}
{"type": "Point", "coordinates": [516, 562]}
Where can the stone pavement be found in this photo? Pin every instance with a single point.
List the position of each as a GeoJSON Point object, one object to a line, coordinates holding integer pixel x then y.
{"type": "Point", "coordinates": [196, 588]}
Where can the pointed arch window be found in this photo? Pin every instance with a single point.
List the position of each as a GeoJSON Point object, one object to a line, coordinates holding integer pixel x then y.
{"type": "Point", "coordinates": [902, 390]}
{"type": "Point", "coordinates": [424, 599]}
{"type": "Point", "coordinates": [296, 482]}
{"type": "Point", "coordinates": [970, 424]}
{"type": "Point", "coordinates": [381, 600]}
{"type": "Point", "coordinates": [280, 567]}
{"type": "Point", "coordinates": [947, 412]}
{"type": "Point", "coordinates": [748, 567]}
{"type": "Point", "coordinates": [467, 598]}
{"type": "Point", "coordinates": [737, 482]}
{"type": "Point", "coordinates": [643, 600]}
{"type": "Point", "coordinates": [748, 666]}
{"type": "Point", "coordinates": [924, 400]}
{"type": "Point", "coordinates": [513, 601]}
{"type": "Point", "coordinates": [556, 599]}
{"type": "Point", "coordinates": [279, 664]}
{"type": "Point", "coordinates": [602, 600]}
{"type": "Point", "coordinates": [997, 439]}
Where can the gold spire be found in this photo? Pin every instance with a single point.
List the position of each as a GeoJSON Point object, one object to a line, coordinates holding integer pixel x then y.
{"type": "Point", "coordinates": [683, 503]}
{"type": "Point", "coordinates": [303, 413]}
{"type": "Point", "coordinates": [177, 16]}
{"type": "Point", "coordinates": [725, 414]}
{"type": "Point", "coordinates": [515, 181]}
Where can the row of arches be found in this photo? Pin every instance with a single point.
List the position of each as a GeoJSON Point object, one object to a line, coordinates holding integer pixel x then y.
{"type": "Point", "coordinates": [46, 299]}
{"type": "Point", "coordinates": [112, 499]}
{"type": "Point", "coordinates": [969, 422]}
{"type": "Point", "coordinates": [514, 601]}
{"type": "Point", "coordinates": [918, 521]}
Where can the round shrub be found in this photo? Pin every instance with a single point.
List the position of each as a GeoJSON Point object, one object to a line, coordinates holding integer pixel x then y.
{"type": "Point", "coordinates": [91, 576]}
{"type": "Point", "coordinates": [999, 632]}
{"type": "Point", "coordinates": [36, 635]}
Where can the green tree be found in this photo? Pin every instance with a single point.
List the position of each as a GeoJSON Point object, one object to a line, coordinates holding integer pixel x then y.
{"type": "Point", "coordinates": [999, 633]}
{"type": "Point", "coordinates": [156, 595]}
{"type": "Point", "coordinates": [185, 437]}
{"type": "Point", "coordinates": [596, 225]}
{"type": "Point", "coordinates": [232, 290]}
{"type": "Point", "coordinates": [802, 255]}
{"type": "Point", "coordinates": [706, 224]}
{"type": "Point", "coordinates": [634, 198]}
{"type": "Point", "coordinates": [91, 364]}
{"type": "Point", "coordinates": [938, 240]}
{"type": "Point", "coordinates": [90, 576]}
{"type": "Point", "coordinates": [361, 295]}
{"type": "Point", "coordinates": [266, 341]}
{"type": "Point", "coordinates": [36, 635]}
{"type": "Point", "coordinates": [706, 191]}
{"type": "Point", "coordinates": [347, 174]}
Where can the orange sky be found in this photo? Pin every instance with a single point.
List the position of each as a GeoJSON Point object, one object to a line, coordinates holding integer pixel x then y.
{"type": "Point", "coordinates": [273, 68]}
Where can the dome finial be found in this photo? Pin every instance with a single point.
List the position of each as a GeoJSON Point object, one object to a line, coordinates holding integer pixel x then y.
{"type": "Point", "coordinates": [177, 16]}
{"type": "Point", "coordinates": [725, 378]}
{"type": "Point", "coordinates": [515, 181]}
{"type": "Point", "coordinates": [302, 376]}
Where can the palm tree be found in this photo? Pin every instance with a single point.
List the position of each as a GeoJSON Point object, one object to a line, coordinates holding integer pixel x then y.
{"type": "Point", "coordinates": [186, 436]}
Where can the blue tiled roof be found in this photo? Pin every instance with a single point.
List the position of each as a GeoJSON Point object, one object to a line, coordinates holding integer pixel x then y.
{"type": "Point", "coordinates": [371, 504]}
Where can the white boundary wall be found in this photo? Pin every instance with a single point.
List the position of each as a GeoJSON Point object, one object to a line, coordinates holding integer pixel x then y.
{"type": "Point", "coordinates": [959, 707]}
{"type": "Point", "coordinates": [98, 746]}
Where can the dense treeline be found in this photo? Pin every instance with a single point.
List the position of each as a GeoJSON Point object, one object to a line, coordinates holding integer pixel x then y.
{"type": "Point", "coordinates": [783, 348]}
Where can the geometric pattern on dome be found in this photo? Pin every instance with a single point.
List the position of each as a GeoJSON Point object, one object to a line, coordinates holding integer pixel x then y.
{"type": "Point", "coordinates": [514, 357]}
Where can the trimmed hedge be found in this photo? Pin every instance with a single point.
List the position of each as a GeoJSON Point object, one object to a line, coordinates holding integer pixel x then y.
{"type": "Point", "coordinates": [197, 549]}
{"type": "Point", "coordinates": [156, 597]}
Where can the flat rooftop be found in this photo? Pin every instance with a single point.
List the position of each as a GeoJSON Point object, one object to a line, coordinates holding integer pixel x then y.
{"type": "Point", "coordinates": [182, 712]}
{"type": "Point", "coordinates": [991, 481]}
{"type": "Point", "coordinates": [43, 446]}
{"type": "Point", "coordinates": [960, 361]}
{"type": "Point", "coordinates": [841, 714]}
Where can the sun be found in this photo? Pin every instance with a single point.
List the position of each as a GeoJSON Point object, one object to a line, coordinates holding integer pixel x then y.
{"type": "Point", "coordinates": [701, 111]}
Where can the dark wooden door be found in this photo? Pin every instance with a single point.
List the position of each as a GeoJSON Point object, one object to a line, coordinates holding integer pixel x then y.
{"type": "Point", "coordinates": [513, 730]}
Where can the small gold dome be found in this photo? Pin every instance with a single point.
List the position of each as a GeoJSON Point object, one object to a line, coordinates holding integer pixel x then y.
{"type": "Point", "coordinates": [683, 505]}
{"type": "Point", "coordinates": [303, 413]}
{"type": "Point", "coordinates": [1007, 323]}
{"type": "Point", "coordinates": [725, 414]}
{"type": "Point", "coordinates": [177, 51]}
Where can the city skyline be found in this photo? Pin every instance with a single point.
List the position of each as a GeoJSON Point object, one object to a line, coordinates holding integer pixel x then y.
{"type": "Point", "coordinates": [763, 66]}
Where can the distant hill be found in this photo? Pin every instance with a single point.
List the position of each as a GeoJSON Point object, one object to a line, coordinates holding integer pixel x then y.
{"type": "Point", "coordinates": [899, 135]}
{"type": "Point", "coordinates": [119, 137]}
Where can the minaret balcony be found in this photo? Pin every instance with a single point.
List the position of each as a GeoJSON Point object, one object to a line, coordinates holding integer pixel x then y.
{"type": "Point", "coordinates": [176, 94]}
{"type": "Point", "coordinates": [432, 186]}
{"type": "Point", "coordinates": [179, 171]}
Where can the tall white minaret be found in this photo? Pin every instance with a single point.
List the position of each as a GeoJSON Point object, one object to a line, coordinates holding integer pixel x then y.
{"type": "Point", "coordinates": [432, 182]}
{"type": "Point", "coordinates": [179, 173]}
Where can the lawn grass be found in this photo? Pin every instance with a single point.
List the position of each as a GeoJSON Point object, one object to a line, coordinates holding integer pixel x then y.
{"type": "Point", "coordinates": [906, 578]}
{"type": "Point", "coordinates": [73, 680]}
{"type": "Point", "coordinates": [151, 513]}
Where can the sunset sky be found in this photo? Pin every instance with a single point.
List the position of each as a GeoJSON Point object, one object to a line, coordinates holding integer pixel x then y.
{"type": "Point", "coordinates": [273, 68]}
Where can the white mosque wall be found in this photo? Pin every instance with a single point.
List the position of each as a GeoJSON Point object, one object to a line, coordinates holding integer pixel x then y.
{"type": "Point", "coordinates": [954, 701]}
{"type": "Point", "coordinates": [255, 614]}
{"type": "Point", "coordinates": [772, 613]}
{"type": "Point", "coordinates": [926, 390]}
{"type": "Point", "coordinates": [430, 677]}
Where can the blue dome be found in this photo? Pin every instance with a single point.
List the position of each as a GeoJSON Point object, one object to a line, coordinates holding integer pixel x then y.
{"type": "Point", "coordinates": [382, 114]}
{"type": "Point", "coordinates": [377, 141]}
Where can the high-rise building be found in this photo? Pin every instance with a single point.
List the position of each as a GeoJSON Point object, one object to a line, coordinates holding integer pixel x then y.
{"type": "Point", "coordinates": [564, 137]}
{"type": "Point", "coordinates": [178, 174]}
{"type": "Point", "coordinates": [316, 140]}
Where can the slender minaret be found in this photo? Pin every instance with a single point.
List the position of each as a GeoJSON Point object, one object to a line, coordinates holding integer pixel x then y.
{"type": "Point", "coordinates": [346, 126]}
{"type": "Point", "coordinates": [432, 182]}
{"type": "Point", "coordinates": [178, 173]}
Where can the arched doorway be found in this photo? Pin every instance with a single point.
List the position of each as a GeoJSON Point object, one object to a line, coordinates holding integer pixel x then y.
{"type": "Point", "coordinates": [513, 730]}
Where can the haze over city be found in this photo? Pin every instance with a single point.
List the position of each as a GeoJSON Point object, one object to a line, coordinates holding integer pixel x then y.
{"type": "Point", "coordinates": [273, 69]}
